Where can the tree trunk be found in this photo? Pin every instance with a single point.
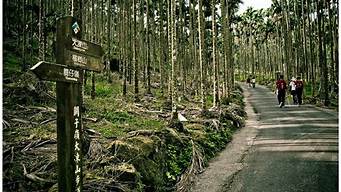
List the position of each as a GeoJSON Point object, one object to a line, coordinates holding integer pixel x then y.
{"type": "Point", "coordinates": [169, 51]}
{"type": "Point", "coordinates": [124, 44]}
{"type": "Point", "coordinates": [174, 57]}
{"type": "Point", "coordinates": [201, 43]}
{"type": "Point", "coordinates": [312, 49]}
{"type": "Point", "coordinates": [304, 41]}
{"type": "Point", "coordinates": [161, 46]}
{"type": "Point", "coordinates": [147, 49]}
{"type": "Point", "coordinates": [23, 46]}
{"type": "Point", "coordinates": [93, 86]}
{"type": "Point", "coordinates": [225, 45]}
{"type": "Point", "coordinates": [331, 48]}
{"type": "Point", "coordinates": [215, 81]}
{"type": "Point", "coordinates": [109, 41]}
{"type": "Point", "coordinates": [323, 66]}
{"type": "Point", "coordinates": [136, 65]}
{"type": "Point", "coordinates": [336, 40]}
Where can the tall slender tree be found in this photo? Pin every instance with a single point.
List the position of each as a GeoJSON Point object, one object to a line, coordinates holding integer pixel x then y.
{"type": "Point", "coordinates": [135, 63]}
{"type": "Point", "coordinates": [148, 48]}
{"type": "Point", "coordinates": [323, 64]}
{"type": "Point", "coordinates": [214, 63]}
{"type": "Point", "coordinates": [174, 56]}
{"type": "Point", "coordinates": [201, 54]}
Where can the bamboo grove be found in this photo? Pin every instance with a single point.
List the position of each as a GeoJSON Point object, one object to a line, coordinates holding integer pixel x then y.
{"type": "Point", "coordinates": [190, 48]}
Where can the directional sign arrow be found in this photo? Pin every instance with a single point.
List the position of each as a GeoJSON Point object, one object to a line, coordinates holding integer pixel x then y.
{"type": "Point", "coordinates": [83, 61]}
{"type": "Point", "coordinates": [56, 72]}
{"type": "Point", "coordinates": [83, 47]}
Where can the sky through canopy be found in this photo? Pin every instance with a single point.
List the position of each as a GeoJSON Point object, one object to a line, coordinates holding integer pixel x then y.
{"type": "Point", "coordinates": [256, 4]}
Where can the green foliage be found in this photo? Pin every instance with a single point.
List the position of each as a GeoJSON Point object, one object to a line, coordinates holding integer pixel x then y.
{"type": "Point", "coordinates": [110, 130]}
{"type": "Point", "coordinates": [103, 89]}
{"type": "Point", "coordinates": [209, 100]}
{"type": "Point", "coordinates": [237, 98]}
{"type": "Point", "coordinates": [118, 122]}
{"type": "Point", "coordinates": [215, 141]}
{"type": "Point", "coordinates": [308, 89]}
{"type": "Point", "coordinates": [225, 101]}
{"type": "Point", "coordinates": [152, 178]}
{"type": "Point", "coordinates": [11, 64]}
{"type": "Point", "coordinates": [178, 158]}
{"type": "Point", "coordinates": [118, 117]}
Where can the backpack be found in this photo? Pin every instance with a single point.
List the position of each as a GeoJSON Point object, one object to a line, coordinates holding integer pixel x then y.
{"type": "Point", "coordinates": [299, 84]}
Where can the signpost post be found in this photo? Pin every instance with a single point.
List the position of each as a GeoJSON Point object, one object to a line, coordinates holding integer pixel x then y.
{"type": "Point", "coordinates": [73, 55]}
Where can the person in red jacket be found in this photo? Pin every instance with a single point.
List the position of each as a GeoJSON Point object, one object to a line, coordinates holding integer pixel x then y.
{"type": "Point", "coordinates": [299, 89]}
{"type": "Point", "coordinates": [281, 86]}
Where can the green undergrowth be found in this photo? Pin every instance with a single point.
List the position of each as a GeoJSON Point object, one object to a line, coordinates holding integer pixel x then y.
{"type": "Point", "coordinates": [160, 155]}
{"type": "Point", "coordinates": [128, 146]}
{"type": "Point", "coordinates": [11, 64]}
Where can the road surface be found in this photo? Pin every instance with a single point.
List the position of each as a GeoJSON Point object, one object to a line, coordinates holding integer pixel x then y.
{"type": "Point", "coordinates": [290, 149]}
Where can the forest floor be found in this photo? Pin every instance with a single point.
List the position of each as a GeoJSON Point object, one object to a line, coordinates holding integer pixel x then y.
{"type": "Point", "coordinates": [128, 146]}
{"type": "Point", "coordinates": [280, 149]}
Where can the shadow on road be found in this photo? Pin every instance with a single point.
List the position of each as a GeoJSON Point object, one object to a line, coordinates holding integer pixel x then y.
{"type": "Point", "coordinates": [296, 149]}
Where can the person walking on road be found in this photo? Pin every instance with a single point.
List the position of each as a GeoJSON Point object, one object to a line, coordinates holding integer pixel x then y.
{"type": "Point", "coordinates": [292, 86]}
{"type": "Point", "coordinates": [281, 86]}
{"type": "Point", "coordinates": [253, 81]}
{"type": "Point", "coordinates": [299, 90]}
{"type": "Point", "coordinates": [248, 81]}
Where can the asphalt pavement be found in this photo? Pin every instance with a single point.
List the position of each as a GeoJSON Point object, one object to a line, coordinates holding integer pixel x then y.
{"type": "Point", "coordinates": [290, 149]}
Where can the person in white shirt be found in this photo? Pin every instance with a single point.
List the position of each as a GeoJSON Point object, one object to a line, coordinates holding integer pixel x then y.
{"type": "Point", "coordinates": [292, 89]}
{"type": "Point", "coordinates": [253, 81]}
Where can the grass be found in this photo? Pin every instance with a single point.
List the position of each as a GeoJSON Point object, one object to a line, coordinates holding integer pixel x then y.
{"type": "Point", "coordinates": [102, 88]}
{"type": "Point", "coordinates": [117, 114]}
{"type": "Point", "coordinates": [109, 130]}
{"type": "Point", "coordinates": [119, 123]}
{"type": "Point", "coordinates": [22, 134]}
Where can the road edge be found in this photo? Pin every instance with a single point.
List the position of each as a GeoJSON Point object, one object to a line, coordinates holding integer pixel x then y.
{"type": "Point", "coordinates": [230, 161]}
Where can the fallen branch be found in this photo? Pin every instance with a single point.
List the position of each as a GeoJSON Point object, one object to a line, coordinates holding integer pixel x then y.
{"type": "Point", "coordinates": [138, 105]}
{"type": "Point", "coordinates": [142, 132]}
{"type": "Point", "coordinates": [33, 177]}
{"type": "Point", "coordinates": [24, 121]}
{"type": "Point", "coordinates": [5, 124]}
{"type": "Point", "coordinates": [90, 119]}
{"type": "Point", "coordinates": [50, 141]}
{"type": "Point", "coordinates": [148, 111]}
{"type": "Point", "coordinates": [47, 121]}
{"type": "Point", "coordinates": [21, 106]}
{"type": "Point", "coordinates": [30, 145]}
{"type": "Point", "coordinates": [165, 116]}
{"type": "Point", "coordinates": [93, 132]}
{"type": "Point", "coordinates": [4, 153]}
{"type": "Point", "coordinates": [44, 109]}
{"type": "Point", "coordinates": [12, 154]}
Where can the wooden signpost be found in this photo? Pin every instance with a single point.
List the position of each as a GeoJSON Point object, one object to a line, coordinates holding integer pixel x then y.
{"type": "Point", "coordinates": [56, 72]}
{"type": "Point", "coordinates": [73, 55]}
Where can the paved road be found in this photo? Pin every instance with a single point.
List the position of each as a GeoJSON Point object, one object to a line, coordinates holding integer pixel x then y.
{"type": "Point", "coordinates": [294, 149]}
